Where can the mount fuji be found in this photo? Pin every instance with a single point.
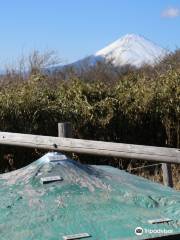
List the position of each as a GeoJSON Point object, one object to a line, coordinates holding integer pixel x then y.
{"type": "Point", "coordinates": [130, 49]}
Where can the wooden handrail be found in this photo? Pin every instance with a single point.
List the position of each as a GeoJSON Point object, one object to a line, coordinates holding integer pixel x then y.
{"type": "Point", "coordinates": [141, 152]}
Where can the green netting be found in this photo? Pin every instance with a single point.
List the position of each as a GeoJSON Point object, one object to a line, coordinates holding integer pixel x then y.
{"type": "Point", "coordinates": [103, 201]}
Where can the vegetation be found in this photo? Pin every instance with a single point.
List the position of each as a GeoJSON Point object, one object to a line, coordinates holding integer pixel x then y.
{"type": "Point", "coordinates": [140, 106]}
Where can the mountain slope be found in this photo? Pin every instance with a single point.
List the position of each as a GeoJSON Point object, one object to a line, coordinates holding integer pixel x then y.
{"type": "Point", "coordinates": [131, 49]}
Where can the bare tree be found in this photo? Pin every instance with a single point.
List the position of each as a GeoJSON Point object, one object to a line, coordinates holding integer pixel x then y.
{"type": "Point", "coordinates": [38, 62]}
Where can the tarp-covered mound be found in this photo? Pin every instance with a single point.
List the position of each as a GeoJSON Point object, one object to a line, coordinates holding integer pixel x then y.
{"type": "Point", "coordinates": [102, 201]}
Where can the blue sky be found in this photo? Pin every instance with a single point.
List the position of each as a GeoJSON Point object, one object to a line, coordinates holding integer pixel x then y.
{"type": "Point", "coordinates": [77, 28]}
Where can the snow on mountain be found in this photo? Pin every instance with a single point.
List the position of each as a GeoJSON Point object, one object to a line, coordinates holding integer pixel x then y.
{"type": "Point", "coordinates": [130, 49]}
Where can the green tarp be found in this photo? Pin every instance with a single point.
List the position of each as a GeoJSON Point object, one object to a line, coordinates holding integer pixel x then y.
{"type": "Point", "coordinates": [105, 202]}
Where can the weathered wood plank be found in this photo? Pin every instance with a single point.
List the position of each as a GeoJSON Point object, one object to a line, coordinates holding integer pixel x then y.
{"type": "Point", "coordinates": [167, 174]}
{"type": "Point", "coordinates": [65, 130]}
{"type": "Point", "coordinates": [159, 154]}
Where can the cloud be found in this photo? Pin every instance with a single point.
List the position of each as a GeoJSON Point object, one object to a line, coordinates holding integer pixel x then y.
{"type": "Point", "coordinates": [171, 12]}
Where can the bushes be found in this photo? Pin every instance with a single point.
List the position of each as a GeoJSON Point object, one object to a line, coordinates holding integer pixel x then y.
{"type": "Point", "coordinates": [142, 107]}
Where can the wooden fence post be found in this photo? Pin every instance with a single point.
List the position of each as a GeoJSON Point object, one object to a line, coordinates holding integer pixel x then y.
{"type": "Point", "coordinates": [167, 174]}
{"type": "Point", "coordinates": [65, 130]}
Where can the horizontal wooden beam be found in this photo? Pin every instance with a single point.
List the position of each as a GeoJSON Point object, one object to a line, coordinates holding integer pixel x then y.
{"type": "Point", "coordinates": [150, 153]}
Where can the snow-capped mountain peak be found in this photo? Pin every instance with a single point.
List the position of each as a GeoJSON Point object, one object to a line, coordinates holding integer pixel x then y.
{"type": "Point", "coordinates": [131, 49]}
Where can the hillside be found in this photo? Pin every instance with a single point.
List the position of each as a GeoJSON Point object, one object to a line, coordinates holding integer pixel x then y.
{"type": "Point", "coordinates": [130, 49]}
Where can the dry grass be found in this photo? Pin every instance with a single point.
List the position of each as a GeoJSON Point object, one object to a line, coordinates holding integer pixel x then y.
{"type": "Point", "coordinates": [156, 175]}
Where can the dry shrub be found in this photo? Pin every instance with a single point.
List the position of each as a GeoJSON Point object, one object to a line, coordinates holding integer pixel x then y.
{"type": "Point", "coordinates": [139, 106]}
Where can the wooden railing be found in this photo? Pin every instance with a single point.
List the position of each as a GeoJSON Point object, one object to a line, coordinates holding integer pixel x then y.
{"type": "Point", "coordinates": [121, 150]}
